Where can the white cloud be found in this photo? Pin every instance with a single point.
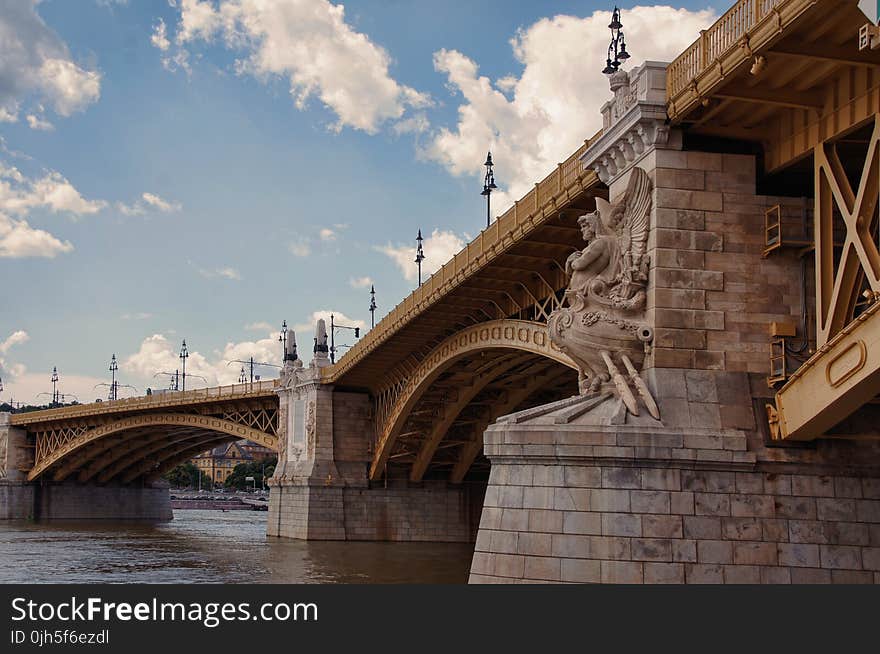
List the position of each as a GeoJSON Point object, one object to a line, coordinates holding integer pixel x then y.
{"type": "Point", "coordinates": [15, 338]}
{"type": "Point", "coordinates": [18, 240]}
{"type": "Point", "coordinates": [327, 234]}
{"type": "Point", "coordinates": [416, 124]}
{"type": "Point", "coordinates": [159, 38]}
{"type": "Point", "coordinates": [438, 248]}
{"type": "Point", "coordinates": [35, 64]}
{"type": "Point", "coordinates": [10, 371]}
{"type": "Point", "coordinates": [554, 103]}
{"type": "Point", "coordinates": [224, 272]}
{"type": "Point", "coordinates": [162, 205]}
{"type": "Point", "coordinates": [299, 248]}
{"type": "Point", "coordinates": [156, 355]}
{"type": "Point", "coordinates": [147, 202]}
{"type": "Point", "coordinates": [259, 327]}
{"type": "Point", "coordinates": [311, 45]}
{"type": "Point", "coordinates": [38, 123]}
{"type": "Point", "coordinates": [8, 114]}
{"type": "Point", "coordinates": [19, 195]}
{"type": "Point", "coordinates": [363, 282]}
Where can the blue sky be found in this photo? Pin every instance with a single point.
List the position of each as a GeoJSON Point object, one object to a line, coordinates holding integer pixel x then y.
{"type": "Point", "coordinates": [159, 180]}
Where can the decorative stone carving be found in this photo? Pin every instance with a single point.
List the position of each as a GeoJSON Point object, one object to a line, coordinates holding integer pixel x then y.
{"type": "Point", "coordinates": [624, 95]}
{"type": "Point", "coordinates": [292, 363]}
{"type": "Point", "coordinates": [310, 427]}
{"type": "Point", "coordinates": [604, 316]}
{"type": "Point", "coordinates": [322, 350]}
{"type": "Point", "coordinates": [633, 122]}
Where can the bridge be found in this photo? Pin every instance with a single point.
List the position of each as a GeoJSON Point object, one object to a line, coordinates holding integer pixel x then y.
{"type": "Point", "coordinates": [690, 397]}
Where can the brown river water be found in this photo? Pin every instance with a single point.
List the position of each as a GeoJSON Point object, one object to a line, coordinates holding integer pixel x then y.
{"type": "Point", "coordinates": [201, 546]}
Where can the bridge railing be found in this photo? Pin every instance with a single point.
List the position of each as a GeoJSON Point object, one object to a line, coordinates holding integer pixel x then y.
{"type": "Point", "coordinates": [567, 176]}
{"type": "Point", "coordinates": [715, 41]}
{"type": "Point", "coordinates": [161, 398]}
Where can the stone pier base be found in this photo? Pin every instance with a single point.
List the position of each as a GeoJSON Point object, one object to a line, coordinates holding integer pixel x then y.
{"type": "Point", "coordinates": [22, 501]}
{"type": "Point", "coordinates": [428, 512]}
{"type": "Point", "coordinates": [639, 503]}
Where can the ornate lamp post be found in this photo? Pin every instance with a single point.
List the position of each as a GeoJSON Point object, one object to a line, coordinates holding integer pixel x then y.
{"type": "Point", "coordinates": [282, 338]}
{"type": "Point", "coordinates": [54, 381]}
{"type": "Point", "coordinates": [420, 255]}
{"type": "Point", "coordinates": [114, 366]}
{"type": "Point", "coordinates": [372, 311]}
{"type": "Point", "coordinates": [617, 47]}
{"type": "Point", "coordinates": [184, 355]}
{"type": "Point", "coordinates": [489, 186]}
{"type": "Point", "coordinates": [242, 376]}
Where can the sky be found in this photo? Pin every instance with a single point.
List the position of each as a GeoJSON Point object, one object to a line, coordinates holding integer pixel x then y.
{"type": "Point", "coordinates": [204, 169]}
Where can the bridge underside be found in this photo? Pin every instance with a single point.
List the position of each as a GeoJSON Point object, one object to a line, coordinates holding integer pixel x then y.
{"type": "Point", "coordinates": [442, 437]}
{"type": "Point", "coordinates": [141, 453]}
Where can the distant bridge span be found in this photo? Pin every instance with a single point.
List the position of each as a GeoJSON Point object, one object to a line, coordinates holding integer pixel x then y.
{"type": "Point", "coordinates": [144, 437]}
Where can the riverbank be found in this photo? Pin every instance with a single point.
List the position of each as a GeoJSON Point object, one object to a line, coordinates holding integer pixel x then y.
{"type": "Point", "coordinates": [188, 501]}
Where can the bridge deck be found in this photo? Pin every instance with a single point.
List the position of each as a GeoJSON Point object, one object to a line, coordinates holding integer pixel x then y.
{"type": "Point", "coordinates": [784, 75]}
{"type": "Point", "coordinates": [512, 265]}
{"type": "Point", "coordinates": [156, 401]}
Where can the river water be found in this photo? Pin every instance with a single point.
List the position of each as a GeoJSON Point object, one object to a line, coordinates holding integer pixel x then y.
{"type": "Point", "coordinates": [202, 546]}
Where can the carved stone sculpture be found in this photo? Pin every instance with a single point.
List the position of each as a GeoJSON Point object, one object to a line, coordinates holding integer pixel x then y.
{"type": "Point", "coordinates": [292, 363]}
{"type": "Point", "coordinates": [602, 327]}
{"type": "Point", "coordinates": [321, 353]}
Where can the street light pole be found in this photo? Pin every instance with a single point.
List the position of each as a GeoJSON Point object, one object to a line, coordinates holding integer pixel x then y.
{"type": "Point", "coordinates": [489, 186]}
{"type": "Point", "coordinates": [420, 255]}
{"type": "Point", "coordinates": [372, 307]}
{"type": "Point", "coordinates": [184, 355]}
{"type": "Point", "coordinates": [282, 338]}
{"type": "Point", "coordinates": [54, 380]}
{"type": "Point", "coordinates": [242, 378]}
{"type": "Point", "coordinates": [113, 368]}
{"type": "Point", "coordinates": [333, 327]}
{"type": "Point", "coordinates": [617, 47]}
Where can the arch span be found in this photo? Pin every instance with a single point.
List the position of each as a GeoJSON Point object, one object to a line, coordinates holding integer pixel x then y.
{"type": "Point", "coordinates": [398, 397]}
{"type": "Point", "coordinates": [75, 455]}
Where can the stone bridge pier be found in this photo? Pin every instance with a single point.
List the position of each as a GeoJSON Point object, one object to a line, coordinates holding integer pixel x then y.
{"type": "Point", "coordinates": [41, 499]}
{"type": "Point", "coordinates": [321, 488]}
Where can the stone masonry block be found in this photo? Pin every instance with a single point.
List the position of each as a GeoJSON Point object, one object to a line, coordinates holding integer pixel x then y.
{"type": "Point", "coordinates": [742, 574]}
{"type": "Point", "coordinates": [681, 503]}
{"type": "Point", "coordinates": [714, 504]}
{"type": "Point", "coordinates": [580, 571]}
{"type": "Point", "coordinates": [662, 526]}
{"type": "Point", "coordinates": [688, 199]}
{"type": "Point", "coordinates": [622, 572]}
{"type": "Point", "coordinates": [754, 553]}
{"type": "Point", "coordinates": [621, 524]}
{"type": "Point", "coordinates": [699, 573]}
{"type": "Point", "coordinates": [840, 556]}
{"type": "Point", "coordinates": [651, 549]}
{"type": "Point", "coordinates": [664, 573]}
{"type": "Point", "coordinates": [741, 528]}
{"type": "Point", "coordinates": [835, 509]}
{"type": "Point", "coordinates": [580, 522]}
{"type": "Point", "coordinates": [649, 501]}
{"type": "Point", "coordinates": [702, 528]}
{"type": "Point", "coordinates": [679, 179]}
{"type": "Point", "coordinates": [714, 551]}
{"type": "Point", "coordinates": [610, 500]}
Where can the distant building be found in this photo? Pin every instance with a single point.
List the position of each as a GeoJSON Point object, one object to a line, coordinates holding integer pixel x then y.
{"type": "Point", "coordinates": [219, 462]}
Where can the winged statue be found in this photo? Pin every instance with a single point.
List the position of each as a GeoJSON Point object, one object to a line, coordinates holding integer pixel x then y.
{"type": "Point", "coordinates": [601, 323]}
